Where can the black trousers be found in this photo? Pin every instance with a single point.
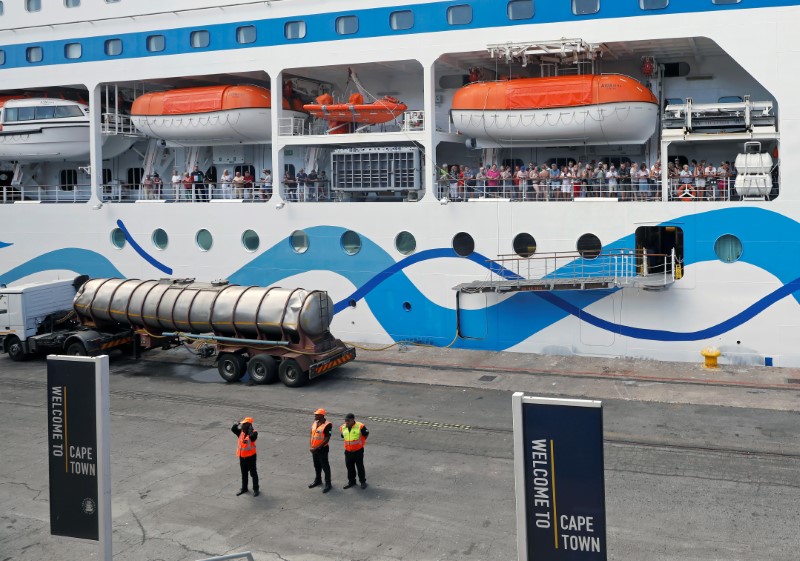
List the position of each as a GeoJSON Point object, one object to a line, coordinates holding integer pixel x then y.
{"type": "Point", "coordinates": [355, 461]}
{"type": "Point", "coordinates": [248, 465]}
{"type": "Point", "coordinates": [321, 464]}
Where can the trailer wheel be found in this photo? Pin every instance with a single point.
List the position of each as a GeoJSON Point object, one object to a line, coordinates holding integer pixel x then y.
{"type": "Point", "coordinates": [77, 349]}
{"type": "Point", "coordinates": [230, 366]}
{"type": "Point", "coordinates": [15, 349]}
{"type": "Point", "coordinates": [263, 369]}
{"type": "Point", "coordinates": [291, 374]}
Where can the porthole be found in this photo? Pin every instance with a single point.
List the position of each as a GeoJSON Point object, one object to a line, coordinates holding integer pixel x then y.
{"type": "Point", "coordinates": [246, 34]}
{"type": "Point", "coordinates": [407, 306]}
{"type": "Point", "coordinates": [584, 7]}
{"type": "Point", "coordinates": [117, 238]}
{"type": "Point", "coordinates": [204, 239]}
{"type": "Point", "coordinates": [160, 239]}
{"type": "Point", "coordinates": [33, 5]}
{"type": "Point", "coordinates": [250, 240]}
{"type": "Point", "coordinates": [524, 245]}
{"type": "Point", "coordinates": [653, 4]}
{"type": "Point", "coordinates": [405, 243]}
{"type": "Point", "coordinates": [347, 25]}
{"type": "Point", "coordinates": [589, 246]}
{"type": "Point", "coordinates": [403, 19]}
{"type": "Point", "coordinates": [459, 15]}
{"type": "Point", "coordinates": [351, 242]}
{"type": "Point", "coordinates": [73, 50]}
{"type": "Point", "coordinates": [463, 244]}
{"type": "Point", "coordinates": [294, 29]}
{"type": "Point", "coordinates": [156, 43]}
{"type": "Point", "coordinates": [200, 39]}
{"type": "Point", "coordinates": [299, 241]}
{"type": "Point", "coordinates": [113, 47]}
{"type": "Point", "coordinates": [34, 54]}
{"type": "Point", "coordinates": [728, 248]}
{"type": "Point", "coordinates": [519, 9]}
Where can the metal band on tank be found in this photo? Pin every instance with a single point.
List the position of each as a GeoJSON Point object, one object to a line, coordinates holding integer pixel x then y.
{"type": "Point", "coordinates": [94, 297]}
{"type": "Point", "coordinates": [236, 305]}
{"type": "Point", "coordinates": [190, 308]}
{"type": "Point", "coordinates": [174, 303]}
{"type": "Point", "coordinates": [130, 300]}
{"type": "Point", "coordinates": [286, 305]}
{"type": "Point", "coordinates": [258, 310]}
{"type": "Point", "coordinates": [214, 303]}
{"type": "Point", "coordinates": [144, 301]}
{"type": "Point", "coordinates": [111, 300]}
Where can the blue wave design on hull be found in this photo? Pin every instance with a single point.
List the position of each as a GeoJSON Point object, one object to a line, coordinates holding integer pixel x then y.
{"type": "Point", "coordinates": [4, 245]}
{"type": "Point", "coordinates": [138, 249]}
{"type": "Point", "coordinates": [81, 261]}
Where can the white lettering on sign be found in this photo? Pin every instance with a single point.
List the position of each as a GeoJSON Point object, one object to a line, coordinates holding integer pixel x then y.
{"type": "Point", "coordinates": [57, 421]}
{"type": "Point", "coordinates": [583, 524]}
{"type": "Point", "coordinates": [580, 543]}
{"type": "Point", "coordinates": [541, 484]}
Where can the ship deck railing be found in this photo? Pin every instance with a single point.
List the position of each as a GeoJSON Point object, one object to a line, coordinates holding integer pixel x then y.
{"type": "Point", "coordinates": [587, 270]}
{"type": "Point", "coordinates": [119, 124]}
{"type": "Point", "coordinates": [71, 193]}
{"type": "Point", "coordinates": [411, 121]}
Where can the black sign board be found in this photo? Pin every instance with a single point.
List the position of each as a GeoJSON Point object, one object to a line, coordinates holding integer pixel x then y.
{"type": "Point", "coordinates": [559, 465]}
{"type": "Point", "coordinates": [72, 447]}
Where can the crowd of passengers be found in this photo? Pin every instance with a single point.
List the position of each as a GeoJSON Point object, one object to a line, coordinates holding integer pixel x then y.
{"type": "Point", "coordinates": [635, 181]}
{"type": "Point", "coordinates": [200, 186]}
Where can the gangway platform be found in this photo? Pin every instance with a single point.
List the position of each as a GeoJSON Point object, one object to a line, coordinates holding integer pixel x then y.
{"type": "Point", "coordinates": [619, 268]}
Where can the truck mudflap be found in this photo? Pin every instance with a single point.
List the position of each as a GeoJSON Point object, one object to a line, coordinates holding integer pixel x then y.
{"type": "Point", "coordinates": [323, 366]}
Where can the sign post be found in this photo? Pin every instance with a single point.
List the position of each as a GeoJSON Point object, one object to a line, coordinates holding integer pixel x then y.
{"type": "Point", "coordinates": [78, 449]}
{"type": "Point", "coordinates": [559, 479]}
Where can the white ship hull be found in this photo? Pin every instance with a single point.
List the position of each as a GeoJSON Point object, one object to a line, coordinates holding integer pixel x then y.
{"type": "Point", "coordinates": [62, 143]}
{"type": "Point", "coordinates": [591, 125]}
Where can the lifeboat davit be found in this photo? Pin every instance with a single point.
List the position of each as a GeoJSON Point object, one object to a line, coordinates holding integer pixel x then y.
{"type": "Point", "coordinates": [48, 129]}
{"type": "Point", "coordinates": [556, 111]}
{"type": "Point", "coordinates": [209, 115]}
{"type": "Point", "coordinates": [341, 115]}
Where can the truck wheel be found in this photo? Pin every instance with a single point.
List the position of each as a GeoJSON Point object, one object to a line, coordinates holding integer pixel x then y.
{"type": "Point", "coordinates": [262, 369]}
{"type": "Point", "coordinates": [230, 366]}
{"type": "Point", "coordinates": [76, 349]}
{"type": "Point", "coordinates": [291, 374]}
{"type": "Point", "coordinates": [15, 349]}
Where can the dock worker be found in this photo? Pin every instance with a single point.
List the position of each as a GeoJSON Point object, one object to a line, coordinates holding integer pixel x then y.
{"type": "Point", "coordinates": [355, 436]}
{"type": "Point", "coordinates": [320, 436]}
{"type": "Point", "coordinates": [246, 452]}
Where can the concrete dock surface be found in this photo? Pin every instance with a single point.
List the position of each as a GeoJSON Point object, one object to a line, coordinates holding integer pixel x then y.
{"type": "Point", "coordinates": [700, 464]}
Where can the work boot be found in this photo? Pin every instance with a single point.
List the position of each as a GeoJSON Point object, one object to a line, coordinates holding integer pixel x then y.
{"type": "Point", "coordinates": [315, 483]}
{"type": "Point", "coordinates": [349, 484]}
{"type": "Point", "coordinates": [256, 492]}
{"type": "Point", "coordinates": [327, 487]}
{"type": "Point", "coordinates": [363, 484]}
{"type": "Point", "coordinates": [241, 492]}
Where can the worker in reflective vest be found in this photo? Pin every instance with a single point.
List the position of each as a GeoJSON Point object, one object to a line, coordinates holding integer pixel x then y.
{"type": "Point", "coordinates": [246, 452]}
{"type": "Point", "coordinates": [320, 435]}
{"type": "Point", "coordinates": [355, 436]}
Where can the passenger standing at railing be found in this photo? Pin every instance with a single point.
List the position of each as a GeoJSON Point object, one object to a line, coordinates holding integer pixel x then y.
{"type": "Point", "coordinates": [532, 182]}
{"type": "Point", "coordinates": [226, 183]}
{"type": "Point", "coordinates": [723, 181]}
{"type": "Point", "coordinates": [469, 182]}
{"type": "Point", "coordinates": [710, 174]}
{"type": "Point", "coordinates": [642, 183]}
{"type": "Point", "coordinates": [507, 177]}
{"type": "Point", "coordinates": [290, 185]}
{"type": "Point", "coordinates": [157, 186]}
{"type": "Point", "coordinates": [624, 181]}
{"type": "Point", "coordinates": [188, 186]}
{"type": "Point", "coordinates": [248, 184]}
{"type": "Point", "coordinates": [612, 177]}
{"type": "Point", "coordinates": [699, 176]}
{"type": "Point", "coordinates": [686, 177]}
{"type": "Point", "coordinates": [211, 180]}
{"type": "Point", "coordinates": [461, 182]}
{"type": "Point", "coordinates": [148, 187]}
{"type": "Point", "coordinates": [588, 175]}
{"type": "Point", "coordinates": [544, 182]}
{"type": "Point", "coordinates": [555, 182]}
{"type": "Point", "coordinates": [266, 184]}
{"type": "Point", "coordinates": [176, 181]}
{"type": "Point", "coordinates": [238, 185]}
{"type": "Point", "coordinates": [302, 185]}
{"type": "Point", "coordinates": [198, 183]}
{"type": "Point", "coordinates": [313, 184]}
{"type": "Point", "coordinates": [599, 180]}
{"type": "Point", "coordinates": [492, 179]}
{"type": "Point", "coordinates": [480, 181]}
{"type": "Point", "coordinates": [673, 173]}
{"type": "Point", "coordinates": [452, 178]}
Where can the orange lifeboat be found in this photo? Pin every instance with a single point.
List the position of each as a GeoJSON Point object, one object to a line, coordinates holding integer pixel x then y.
{"type": "Point", "coordinates": [557, 111]}
{"type": "Point", "coordinates": [208, 115]}
{"type": "Point", "coordinates": [341, 115]}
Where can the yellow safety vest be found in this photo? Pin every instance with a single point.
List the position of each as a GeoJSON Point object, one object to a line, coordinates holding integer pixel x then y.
{"type": "Point", "coordinates": [353, 440]}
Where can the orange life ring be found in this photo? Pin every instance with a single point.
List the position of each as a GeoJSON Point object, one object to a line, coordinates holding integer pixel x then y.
{"type": "Point", "coordinates": [685, 192]}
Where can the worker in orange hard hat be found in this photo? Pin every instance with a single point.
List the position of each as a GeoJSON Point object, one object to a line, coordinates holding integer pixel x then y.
{"type": "Point", "coordinates": [246, 452]}
{"type": "Point", "coordinates": [320, 435]}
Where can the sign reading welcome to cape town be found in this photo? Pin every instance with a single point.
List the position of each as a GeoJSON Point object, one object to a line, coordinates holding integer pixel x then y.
{"type": "Point", "coordinates": [558, 455]}
{"type": "Point", "coordinates": [72, 443]}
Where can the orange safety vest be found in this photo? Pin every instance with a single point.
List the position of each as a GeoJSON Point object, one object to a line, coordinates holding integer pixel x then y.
{"type": "Point", "coordinates": [353, 439]}
{"type": "Point", "coordinates": [318, 433]}
{"type": "Point", "coordinates": [246, 447]}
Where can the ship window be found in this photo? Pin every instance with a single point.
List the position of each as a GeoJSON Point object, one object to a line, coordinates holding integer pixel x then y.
{"type": "Point", "coordinates": [459, 15]}
{"type": "Point", "coordinates": [117, 238]}
{"type": "Point", "coordinates": [34, 54]}
{"type": "Point", "coordinates": [72, 3]}
{"type": "Point", "coordinates": [520, 9]}
{"type": "Point", "coordinates": [401, 20]}
{"type": "Point", "coordinates": [589, 246]}
{"type": "Point", "coordinates": [725, 1]}
{"type": "Point", "coordinates": [156, 43]}
{"type": "Point", "coordinates": [2, 57]}
{"type": "Point", "coordinates": [405, 243]}
{"type": "Point", "coordinates": [69, 179]}
{"type": "Point", "coordinates": [63, 111]}
{"type": "Point", "coordinates": [33, 5]}
{"type": "Point", "coordinates": [583, 7]}
{"type": "Point", "coordinates": [347, 25]}
{"type": "Point", "coordinates": [246, 34]}
{"type": "Point", "coordinates": [200, 39]}
{"type": "Point", "coordinates": [728, 248]}
{"type": "Point", "coordinates": [351, 242]}
{"type": "Point", "coordinates": [2, 8]}
{"type": "Point", "coordinates": [25, 114]}
{"type": "Point", "coordinates": [463, 244]}
{"type": "Point", "coordinates": [160, 239]}
{"type": "Point", "coordinates": [113, 47]}
{"type": "Point", "coordinates": [294, 29]}
{"type": "Point", "coordinates": [250, 240]}
{"type": "Point", "coordinates": [73, 50]}
{"type": "Point", "coordinates": [204, 239]}
{"type": "Point", "coordinates": [299, 241]}
{"type": "Point", "coordinates": [45, 112]}
{"type": "Point", "coordinates": [524, 245]}
{"type": "Point", "coordinates": [653, 4]}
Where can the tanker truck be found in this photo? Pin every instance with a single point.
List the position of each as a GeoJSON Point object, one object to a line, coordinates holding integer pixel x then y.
{"type": "Point", "coordinates": [270, 333]}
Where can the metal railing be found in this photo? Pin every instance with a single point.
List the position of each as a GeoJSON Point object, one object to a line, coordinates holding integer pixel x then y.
{"type": "Point", "coordinates": [45, 193]}
{"type": "Point", "coordinates": [180, 193]}
{"type": "Point", "coordinates": [119, 124]}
